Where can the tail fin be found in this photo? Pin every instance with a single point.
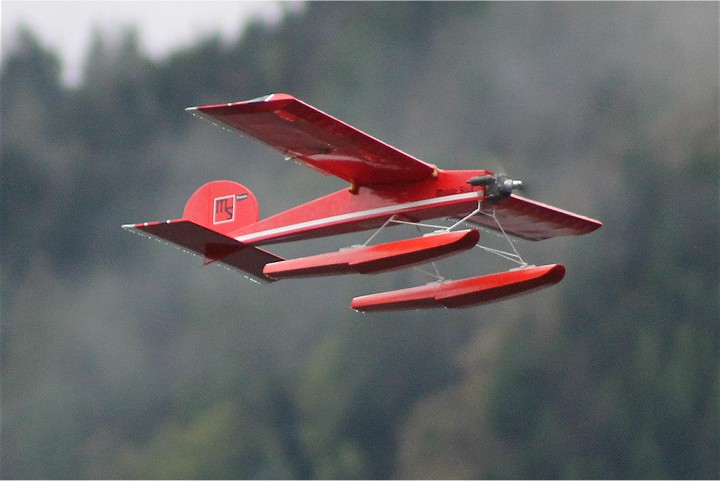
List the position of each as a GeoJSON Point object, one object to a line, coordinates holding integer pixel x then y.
{"type": "Point", "coordinates": [212, 212]}
{"type": "Point", "coordinates": [223, 206]}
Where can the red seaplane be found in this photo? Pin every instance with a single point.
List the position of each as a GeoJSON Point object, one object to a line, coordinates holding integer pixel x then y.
{"type": "Point", "coordinates": [387, 187]}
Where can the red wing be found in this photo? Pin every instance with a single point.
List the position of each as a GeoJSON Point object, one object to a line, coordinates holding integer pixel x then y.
{"type": "Point", "coordinates": [533, 220]}
{"type": "Point", "coordinates": [304, 133]}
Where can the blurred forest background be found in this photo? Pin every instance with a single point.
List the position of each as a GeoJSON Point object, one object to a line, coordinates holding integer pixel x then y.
{"type": "Point", "coordinates": [123, 358]}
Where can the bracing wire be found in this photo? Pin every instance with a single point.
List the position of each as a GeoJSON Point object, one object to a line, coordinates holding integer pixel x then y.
{"type": "Point", "coordinates": [513, 256]}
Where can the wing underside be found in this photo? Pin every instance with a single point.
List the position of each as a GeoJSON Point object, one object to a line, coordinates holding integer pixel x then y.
{"type": "Point", "coordinates": [304, 133]}
{"type": "Point", "coordinates": [533, 220]}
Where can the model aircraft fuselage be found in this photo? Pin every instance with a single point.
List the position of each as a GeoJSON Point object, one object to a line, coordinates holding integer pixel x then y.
{"type": "Point", "coordinates": [386, 187]}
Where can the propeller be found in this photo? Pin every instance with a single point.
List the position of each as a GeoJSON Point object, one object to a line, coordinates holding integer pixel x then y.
{"type": "Point", "coordinates": [498, 186]}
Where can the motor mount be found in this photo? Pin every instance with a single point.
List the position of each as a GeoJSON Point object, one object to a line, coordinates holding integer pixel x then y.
{"type": "Point", "coordinates": [497, 187]}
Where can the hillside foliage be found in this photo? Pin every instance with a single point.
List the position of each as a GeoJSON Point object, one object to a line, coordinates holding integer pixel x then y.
{"type": "Point", "coordinates": [122, 358]}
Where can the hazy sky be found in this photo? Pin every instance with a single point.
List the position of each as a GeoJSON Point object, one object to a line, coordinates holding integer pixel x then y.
{"type": "Point", "coordinates": [67, 26]}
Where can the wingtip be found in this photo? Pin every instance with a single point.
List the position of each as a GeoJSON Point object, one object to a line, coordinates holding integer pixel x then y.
{"type": "Point", "coordinates": [142, 225]}
{"type": "Point", "coordinates": [267, 98]}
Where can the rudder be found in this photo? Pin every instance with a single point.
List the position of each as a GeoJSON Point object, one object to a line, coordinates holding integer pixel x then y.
{"type": "Point", "coordinates": [223, 206]}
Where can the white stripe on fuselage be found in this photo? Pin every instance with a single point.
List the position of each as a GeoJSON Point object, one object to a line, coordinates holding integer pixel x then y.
{"type": "Point", "coordinates": [326, 221]}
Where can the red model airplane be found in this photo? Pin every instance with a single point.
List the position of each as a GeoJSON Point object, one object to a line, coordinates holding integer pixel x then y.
{"type": "Point", "coordinates": [387, 187]}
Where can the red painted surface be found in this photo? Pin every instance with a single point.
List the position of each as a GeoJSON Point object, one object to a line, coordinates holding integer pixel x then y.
{"type": "Point", "coordinates": [533, 220]}
{"type": "Point", "coordinates": [465, 292]}
{"type": "Point", "coordinates": [221, 222]}
{"type": "Point", "coordinates": [212, 245]}
{"type": "Point", "coordinates": [342, 212]}
{"type": "Point", "coordinates": [222, 206]}
{"type": "Point", "coordinates": [376, 258]}
{"type": "Point", "coordinates": [305, 133]}
{"type": "Point", "coordinates": [386, 181]}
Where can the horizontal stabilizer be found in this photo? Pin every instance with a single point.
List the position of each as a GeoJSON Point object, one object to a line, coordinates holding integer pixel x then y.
{"type": "Point", "coordinates": [464, 292]}
{"type": "Point", "coordinates": [212, 245]}
{"type": "Point", "coordinates": [376, 258]}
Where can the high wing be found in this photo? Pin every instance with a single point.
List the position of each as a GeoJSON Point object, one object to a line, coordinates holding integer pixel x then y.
{"type": "Point", "coordinates": [302, 132]}
{"type": "Point", "coordinates": [305, 134]}
{"type": "Point", "coordinates": [532, 220]}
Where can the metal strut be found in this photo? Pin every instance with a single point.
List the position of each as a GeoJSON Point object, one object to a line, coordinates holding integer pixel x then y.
{"type": "Point", "coordinates": [513, 256]}
{"type": "Point", "coordinates": [378, 231]}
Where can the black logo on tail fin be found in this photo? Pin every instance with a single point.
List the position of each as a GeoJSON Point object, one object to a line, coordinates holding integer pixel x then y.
{"type": "Point", "coordinates": [224, 209]}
